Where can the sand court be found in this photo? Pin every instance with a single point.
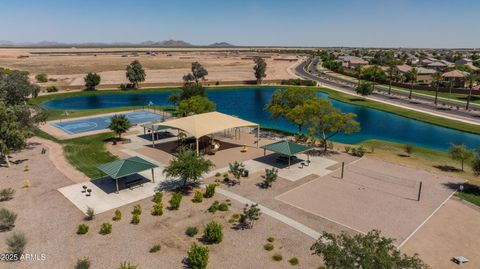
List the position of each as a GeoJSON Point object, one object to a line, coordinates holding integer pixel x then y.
{"type": "Point", "coordinates": [373, 195]}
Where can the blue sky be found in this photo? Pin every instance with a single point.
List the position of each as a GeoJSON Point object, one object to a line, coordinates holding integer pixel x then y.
{"type": "Point", "coordinates": [382, 23]}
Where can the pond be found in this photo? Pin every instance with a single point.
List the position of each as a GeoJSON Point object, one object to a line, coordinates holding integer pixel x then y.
{"type": "Point", "coordinates": [249, 104]}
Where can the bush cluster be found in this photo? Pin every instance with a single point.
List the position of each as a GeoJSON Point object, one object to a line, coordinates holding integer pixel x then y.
{"type": "Point", "coordinates": [118, 215]}
{"type": "Point", "coordinates": [197, 257]}
{"type": "Point", "coordinates": [213, 233]}
{"type": "Point", "coordinates": [175, 201]}
{"type": "Point", "coordinates": [197, 197]}
{"type": "Point", "coordinates": [6, 194]}
{"type": "Point", "coordinates": [82, 229]}
{"type": "Point", "coordinates": [106, 228]}
{"type": "Point", "coordinates": [191, 231]}
{"type": "Point", "coordinates": [210, 190]}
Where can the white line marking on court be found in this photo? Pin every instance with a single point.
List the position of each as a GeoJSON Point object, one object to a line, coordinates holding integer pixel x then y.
{"type": "Point", "coordinates": [425, 221]}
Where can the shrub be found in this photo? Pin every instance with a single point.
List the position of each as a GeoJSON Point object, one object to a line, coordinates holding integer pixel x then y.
{"type": "Point", "coordinates": [294, 261]}
{"type": "Point", "coordinates": [218, 174]}
{"type": "Point", "coordinates": [347, 149]}
{"type": "Point", "coordinates": [191, 231]}
{"type": "Point", "coordinates": [157, 209]}
{"type": "Point", "coordinates": [210, 190]}
{"type": "Point", "coordinates": [52, 89]}
{"type": "Point", "coordinates": [82, 229]}
{"type": "Point", "coordinates": [135, 219]}
{"type": "Point", "coordinates": [155, 248]}
{"type": "Point", "coordinates": [358, 152]}
{"type": "Point", "coordinates": [42, 78]}
{"type": "Point", "coordinates": [270, 176]}
{"type": "Point", "coordinates": [197, 197]}
{"type": "Point", "coordinates": [268, 247]}
{"type": "Point", "coordinates": [214, 207]}
{"type": "Point", "coordinates": [137, 210]}
{"type": "Point", "coordinates": [118, 215]}
{"type": "Point", "coordinates": [125, 265]}
{"type": "Point", "coordinates": [197, 257]}
{"type": "Point", "coordinates": [277, 257]}
{"type": "Point", "coordinates": [251, 213]}
{"type": "Point", "coordinates": [6, 194]}
{"type": "Point", "coordinates": [82, 264]}
{"type": "Point", "coordinates": [408, 149]}
{"type": "Point", "coordinates": [7, 219]}
{"type": "Point", "coordinates": [223, 207]}
{"type": "Point", "coordinates": [157, 197]}
{"type": "Point", "coordinates": [16, 243]}
{"type": "Point", "coordinates": [234, 218]}
{"type": "Point", "coordinates": [271, 239]}
{"type": "Point", "coordinates": [237, 169]}
{"type": "Point", "coordinates": [90, 214]}
{"type": "Point", "coordinates": [106, 228]}
{"type": "Point", "coordinates": [175, 201]}
{"type": "Point", "coordinates": [213, 233]}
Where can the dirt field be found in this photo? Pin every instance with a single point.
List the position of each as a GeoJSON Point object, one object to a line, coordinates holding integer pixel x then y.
{"type": "Point", "coordinates": [69, 66]}
{"type": "Point", "coordinates": [50, 222]}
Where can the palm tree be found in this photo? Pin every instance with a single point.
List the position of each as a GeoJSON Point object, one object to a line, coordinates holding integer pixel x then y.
{"type": "Point", "coordinates": [437, 78]}
{"type": "Point", "coordinates": [391, 75]}
{"type": "Point", "coordinates": [471, 79]}
{"type": "Point", "coordinates": [412, 75]}
{"type": "Point", "coordinates": [358, 69]}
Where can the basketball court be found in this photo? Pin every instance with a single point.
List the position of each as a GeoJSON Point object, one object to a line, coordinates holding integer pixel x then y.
{"type": "Point", "coordinates": [374, 195]}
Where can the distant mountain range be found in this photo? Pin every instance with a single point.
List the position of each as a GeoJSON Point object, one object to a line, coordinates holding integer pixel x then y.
{"type": "Point", "coordinates": [164, 44]}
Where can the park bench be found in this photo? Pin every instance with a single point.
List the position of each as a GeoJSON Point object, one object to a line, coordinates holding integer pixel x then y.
{"type": "Point", "coordinates": [132, 183]}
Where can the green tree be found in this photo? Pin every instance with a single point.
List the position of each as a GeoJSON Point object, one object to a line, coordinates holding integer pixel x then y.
{"type": "Point", "coordinates": [198, 73]}
{"type": "Point", "coordinates": [287, 104]}
{"type": "Point", "coordinates": [195, 105]}
{"type": "Point", "coordinates": [476, 166]}
{"type": "Point", "coordinates": [15, 87]}
{"type": "Point", "coordinates": [237, 169]}
{"type": "Point", "coordinates": [391, 72]}
{"type": "Point", "coordinates": [460, 153]}
{"type": "Point", "coordinates": [42, 78]}
{"type": "Point", "coordinates": [412, 76]}
{"type": "Point", "coordinates": [251, 213]}
{"type": "Point", "coordinates": [327, 121]}
{"type": "Point", "coordinates": [260, 69]}
{"type": "Point", "coordinates": [91, 81]}
{"type": "Point", "coordinates": [135, 73]}
{"type": "Point", "coordinates": [364, 89]}
{"type": "Point", "coordinates": [373, 73]}
{"type": "Point", "coordinates": [471, 80]}
{"type": "Point", "coordinates": [119, 125]}
{"type": "Point", "coordinates": [437, 80]}
{"type": "Point", "coordinates": [187, 165]}
{"type": "Point", "coordinates": [197, 257]}
{"type": "Point", "coordinates": [362, 251]}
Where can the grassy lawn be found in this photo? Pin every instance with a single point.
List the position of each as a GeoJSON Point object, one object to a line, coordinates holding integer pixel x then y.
{"type": "Point", "coordinates": [85, 153]}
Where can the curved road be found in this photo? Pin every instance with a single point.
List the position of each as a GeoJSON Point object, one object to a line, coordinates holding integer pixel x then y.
{"type": "Point", "coordinates": [399, 98]}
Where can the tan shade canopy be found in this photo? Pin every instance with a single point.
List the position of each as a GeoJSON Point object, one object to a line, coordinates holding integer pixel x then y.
{"type": "Point", "coordinates": [206, 123]}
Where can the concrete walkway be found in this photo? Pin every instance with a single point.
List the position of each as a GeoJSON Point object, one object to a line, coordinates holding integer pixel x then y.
{"type": "Point", "coordinates": [274, 214]}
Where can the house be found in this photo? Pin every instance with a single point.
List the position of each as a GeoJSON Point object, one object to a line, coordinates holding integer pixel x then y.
{"type": "Point", "coordinates": [455, 78]}
{"type": "Point", "coordinates": [426, 62]}
{"type": "Point", "coordinates": [447, 63]}
{"type": "Point", "coordinates": [425, 75]}
{"type": "Point", "coordinates": [413, 60]}
{"type": "Point", "coordinates": [463, 61]}
{"type": "Point", "coordinates": [437, 65]}
{"type": "Point", "coordinates": [402, 69]}
{"type": "Point", "coordinates": [352, 61]}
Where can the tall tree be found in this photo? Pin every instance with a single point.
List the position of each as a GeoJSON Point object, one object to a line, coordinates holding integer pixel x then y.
{"type": "Point", "coordinates": [364, 89]}
{"type": "Point", "coordinates": [91, 81]}
{"type": "Point", "coordinates": [391, 75]}
{"type": "Point", "coordinates": [135, 73]}
{"type": "Point", "coordinates": [260, 69]}
{"type": "Point", "coordinates": [412, 77]}
{"type": "Point", "coordinates": [460, 153]}
{"type": "Point", "coordinates": [195, 105]}
{"type": "Point", "coordinates": [471, 80]}
{"type": "Point", "coordinates": [363, 251]}
{"type": "Point", "coordinates": [15, 87]}
{"type": "Point", "coordinates": [198, 73]}
{"type": "Point", "coordinates": [187, 166]}
{"type": "Point", "coordinates": [287, 104]}
{"type": "Point", "coordinates": [13, 135]}
{"type": "Point", "coordinates": [437, 80]}
{"type": "Point", "coordinates": [119, 125]}
{"type": "Point", "coordinates": [327, 121]}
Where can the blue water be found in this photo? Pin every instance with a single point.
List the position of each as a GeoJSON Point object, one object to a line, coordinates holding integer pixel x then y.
{"type": "Point", "coordinates": [249, 104]}
{"type": "Point", "coordinates": [100, 123]}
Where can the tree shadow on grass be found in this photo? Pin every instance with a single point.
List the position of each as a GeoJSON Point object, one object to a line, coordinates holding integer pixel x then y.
{"type": "Point", "coordinates": [447, 168]}
{"type": "Point", "coordinates": [467, 188]}
{"type": "Point", "coordinates": [356, 100]}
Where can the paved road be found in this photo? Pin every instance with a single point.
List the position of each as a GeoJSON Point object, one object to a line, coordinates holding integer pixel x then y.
{"type": "Point", "coordinates": [419, 102]}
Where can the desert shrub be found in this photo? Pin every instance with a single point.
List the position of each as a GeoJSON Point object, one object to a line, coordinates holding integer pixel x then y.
{"type": "Point", "coordinates": [137, 210]}
{"type": "Point", "coordinates": [277, 257]}
{"type": "Point", "coordinates": [42, 78]}
{"type": "Point", "coordinates": [175, 201]}
{"type": "Point", "coordinates": [52, 89]}
{"type": "Point", "coordinates": [218, 174]}
{"type": "Point", "coordinates": [408, 148]}
{"type": "Point", "coordinates": [294, 261]}
{"type": "Point", "coordinates": [191, 231]}
{"type": "Point", "coordinates": [135, 219]}
{"type": "Point", "coordinates": [157, 209]}
{"type": "Point", "coordinates": [82, 264]}
{"type": "Point", "coordinates": [155, 248]}
{"type": "Point", "coordinates": [347, 149]}
{"type": "Point", "coordinates": [270, 176]}
{"type": "Point", "coordinates": [234, 218]}
{"type": "Point", "coordinates": [251, 213]}
{"type": "Point", "coordinates": [213, 233]}
{"type": "Point", "coordinates": [157, 197]}
{"type": "Point", "coordinates": [214, 207]}
{"type": "Point", "coordinates": [197, 197]}
{"type": "Point", "coordinates": [106, 228]}
{"type": "Point", "coordinates": [26, 184]}
{"type": "Point", "coordinates": [268, 246]}
{"type": "Point", "coordinates": [82, 229]}
{"type": "Point", "coordinates": [223, 207]}
{"type": "Point", "coordinates": [125, 265]}
{"type": "Point", "coordinates": [358, 152]}
{"type": "Point", "coordinates": [210, 190]}
{"type": "Point", "coordinates": [7, 219]}
{"type": "Point", "coordinates": [6, 194]}
{"type": "Point", "coordinates": [16, 243]}
{"type": "Point", "coordinates": [271, 239]}
{"type": "Point", "coordinates": [90, 214]}
{"type": "Point", "coordinates": [118, 215]}
{"type": "Point", "coordinates": [197, 257]}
